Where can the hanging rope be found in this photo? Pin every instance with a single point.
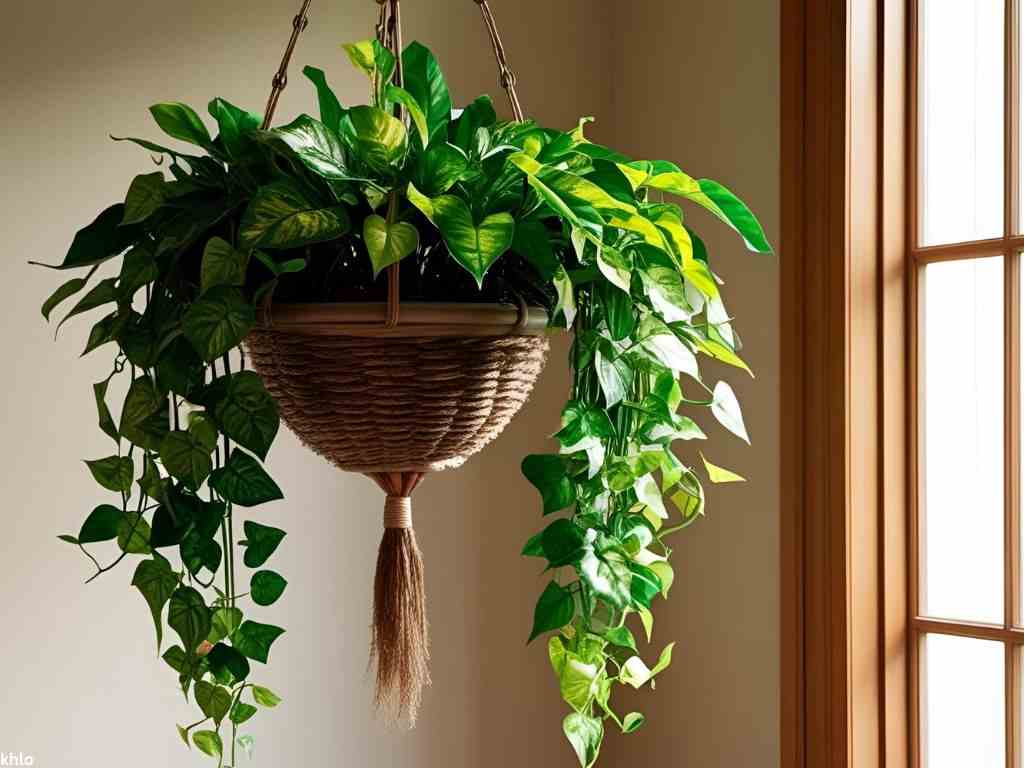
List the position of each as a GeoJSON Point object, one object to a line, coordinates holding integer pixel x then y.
{"type": "Point", "coordinates": [280, 81]}
{"type": "Point", "coordinates": [505, 73]}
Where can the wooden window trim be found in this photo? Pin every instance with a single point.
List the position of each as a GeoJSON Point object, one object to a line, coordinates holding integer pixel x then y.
{"type": "Point", "coordinates": [844, 386]}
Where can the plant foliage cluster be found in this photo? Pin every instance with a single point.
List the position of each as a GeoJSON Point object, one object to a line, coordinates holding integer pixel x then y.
{"type": "Point", "coordinates": [201, 248]}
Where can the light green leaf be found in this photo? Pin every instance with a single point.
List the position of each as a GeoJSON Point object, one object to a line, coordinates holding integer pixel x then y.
{"type": "Point", "coordinates": [659, 343]}
{"type": "Point", "coordinates": [242, 712]}
{"type": "Point", "coordinates": [145, 195]}
{"type": "Point", "coordinates": [282, 215]}
{"type": "Point", "coordinates": [440, 166]}
{"type": "Point", "coordinates": [475, 246]}
{"type": "Point", "coordinates": [649, 494]}
{"type": "Point", "coordinates": [585, 735]}
{"type": "Point", "coordinates": [614, 374]}
{"type": "Point", "coordinates": [726, 409]}
{"type": "Point", "coordinates": [615, 266]}
{"type": "Point", "coordinates": [556, 190]}
{"type": "Point", "coordinates": [666, 574]}
{"type": "Point", "coordinates": [633, 722]}
{"type": "Point", "coordinates": [388, 244]}
{"type": "Point", "coordinates": [403, 97]}
{"type": "Point", "coordinates": [371, 58]}
{"type": "Point", "coordinates": [218, 321]}
{"type": "Point", "coordinates": [222, 265]}
{"type": "Point", "coordinates": [209, 743]}
{"type": "Point", "coordinates": [647, 621]}
{"type": "Point", "coordinates": [223, 623]}
{"type": "Point", "coordinates": [315, 145]}
{"type": "Point", "coordinates": [181, 122]}
{"type": "Point", "coordinates": [374, 137]}
{"type": "Point", "coordinates": [719, 475]}
{"type": "Point", "coordinates": [265, 697]}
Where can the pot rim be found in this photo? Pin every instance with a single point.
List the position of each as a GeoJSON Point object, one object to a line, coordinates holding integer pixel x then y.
{"type": "Point", "coordinates": [428, 319]}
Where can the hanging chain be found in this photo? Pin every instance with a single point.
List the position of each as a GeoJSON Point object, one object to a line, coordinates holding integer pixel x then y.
{"type": "Point", "coordinates": [389, 34]}
{"type": "Point", "coordinates": [280, 81]}
{"type": "Point", "coordinates": [505, 73]}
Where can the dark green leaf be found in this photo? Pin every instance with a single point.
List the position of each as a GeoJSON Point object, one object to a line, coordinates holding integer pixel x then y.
{"type": "Point", "coordinates": [214, 700]}
{"type": "Point", "coordinates": [644, 585]}
{"type": "Point", "coordinates": [179, 367]}
{"type": "Point", "coordinates": [157, 582]}
{"type": "Point", "coordinates": [145, 195]}
{"type": "Point", "coordinates": [222, 265]}
{"type": "Point", "coordinates": [65, 291]}
{"type": "Point", "coordinates": [532, 241]}
{"type": "Point", "coordinates": [113, 473]}
{"type": "Point", "coordinates": [266, 587]}
{"type": "Point", "coordinates": [422, 77]}
{"type": "Point", "coordinates": [138, 268]}
{"type": "Point", "coordinates": [534, 547]}
{"type": "Point", "coordinates": [283, 215]}
{"type": "Point", "coordinates": [242, 712]}
{"type": "Point", "coordinates": [225, 622]}
{"type": "Point", "coordinates": [101, 525]}
{"type": "Point", "coordinates": [331, 111]}
{"type": "Point", "coordinates": [104, 292]}
{"type": "Point", "coordinates": [247, 413]}
{"type": "Point", "coordinates": [181, 122]}
{"type": "Point", "coordinates": [144, 415]}
{"type": "Point", "coordinates": [547, 474]}
{"type": "Point", "coordinates": [554, 610]}
{"type": "Point", "coordinates": [224, 658]}
{"type": "Point", "coordinates": [69, 539]}
{"type": "Point", "coordinates": [199, 551]}
{"type": "Point", "coordinates": [186, 455]}
{"type": "Point", "coordinates": [260, 543]}
{"type": "Point", "coordinates": [479, 114]}
{"type": "Point", "coordinates": [189, 617]}
{"type": "Point", "coordinates": [133, 534]}
{"type": "Point", "coordinates": [314, 145]}
{"type": "Point", "coordinates": [235, 125]}
{"type": "Point", "coordinates": [104, 239]}
{"type": "Point", "coordinates": [218, 321]}
{"type": "Point", "coordinates": [562, 542]}
{"type": "Point", "coordinates": [254, 639]}
{"type": "Point", "coordinates": [244, 482]}
{"type": "Point", "coordinates": [440, 166]}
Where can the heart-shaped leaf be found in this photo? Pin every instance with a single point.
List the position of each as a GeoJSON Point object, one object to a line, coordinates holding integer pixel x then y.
{"type": "Point", "coordinates": [218, 321]}
{"type": "Point", "coordinates": [282, 215]}
{"type": "Point", "coordinates": [375, 137]}
{"type": "Point", "coordinates": [726, 409]}
{"type": "Point", "coordinates": [222, 265]}
{"type": "Point", "coordinates": [244, 482]}
{"type": "Point", "coordinates": [388, 243]}
{"type": "Point", "coordinates": [475, 246]}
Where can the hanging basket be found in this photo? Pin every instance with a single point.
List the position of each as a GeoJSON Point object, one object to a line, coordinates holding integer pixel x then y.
{"type": "Point", "coordinates": [395, 396]}
{"type": "Point", "coordinates": [421, 396]}
{"type": "Point", "coordinates": [397, 390]}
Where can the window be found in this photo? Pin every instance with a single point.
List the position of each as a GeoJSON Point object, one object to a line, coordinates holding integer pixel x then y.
{"type": "Point", "coordinates": [966, 629]}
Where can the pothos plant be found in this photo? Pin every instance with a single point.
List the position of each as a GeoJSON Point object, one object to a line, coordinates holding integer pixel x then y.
{"type": "Point", "coordinates": [529, 209]}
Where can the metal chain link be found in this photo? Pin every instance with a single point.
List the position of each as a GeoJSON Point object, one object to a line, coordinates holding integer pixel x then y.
{"type": "Point", "coordinates": [506, 75]}
{"type": "Point", "coordinates": [280, 81]}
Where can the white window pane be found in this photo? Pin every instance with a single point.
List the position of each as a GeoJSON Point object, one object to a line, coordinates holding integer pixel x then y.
{"type": "Point", "coordinates": [963, 698]}
{"type": "Point", "coordinates": [961, 120]}
{"type": "Point", "coordinates": [962, 440]}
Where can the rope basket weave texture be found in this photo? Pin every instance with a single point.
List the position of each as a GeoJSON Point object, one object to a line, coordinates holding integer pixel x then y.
{"type": "Point", "coordinates": [398, 403]}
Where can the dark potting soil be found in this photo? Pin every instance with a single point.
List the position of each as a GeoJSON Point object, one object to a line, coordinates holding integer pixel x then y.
{"type": "Point", "coordinates": [341, 271]}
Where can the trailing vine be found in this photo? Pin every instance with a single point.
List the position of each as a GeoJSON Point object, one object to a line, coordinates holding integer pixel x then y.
{"type": "Point", "coordinates": [474, 208]}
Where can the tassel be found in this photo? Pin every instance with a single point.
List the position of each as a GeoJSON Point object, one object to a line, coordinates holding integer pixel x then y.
{"type": "Point", "coordinates": [400, 646]}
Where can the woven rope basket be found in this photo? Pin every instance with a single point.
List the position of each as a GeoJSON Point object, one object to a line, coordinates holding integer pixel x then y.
{"type": "Point", "coordinates": [422, 396]}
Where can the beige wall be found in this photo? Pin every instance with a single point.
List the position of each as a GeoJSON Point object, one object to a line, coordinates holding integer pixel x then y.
{"type": "Point", "coordinates": [703, 80]}
{"type": "Point", "coordinates": [82, 686]}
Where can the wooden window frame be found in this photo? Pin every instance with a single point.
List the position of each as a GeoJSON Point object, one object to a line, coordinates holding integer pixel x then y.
{"type": "Point", "coordinates": [844, 447]}
{"type": "Point", "coordinates": [1009, 246]}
